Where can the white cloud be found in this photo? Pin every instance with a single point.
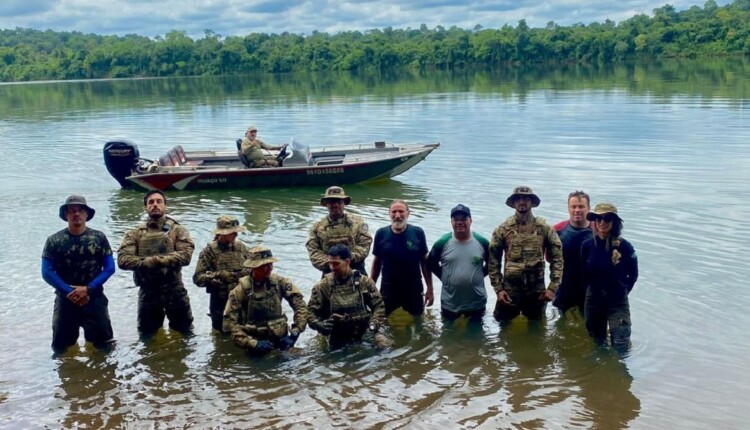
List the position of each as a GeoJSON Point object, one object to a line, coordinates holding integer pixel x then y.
{"type": "Point", "coordinates": [238, 17]}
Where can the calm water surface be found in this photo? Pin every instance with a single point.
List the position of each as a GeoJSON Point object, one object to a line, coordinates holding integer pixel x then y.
{"type": "Point", "coordinates": [668, 143]}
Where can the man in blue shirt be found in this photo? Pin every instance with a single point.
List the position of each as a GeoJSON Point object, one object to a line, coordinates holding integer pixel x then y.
{"type": "Point", "coordinates": [76, 262]}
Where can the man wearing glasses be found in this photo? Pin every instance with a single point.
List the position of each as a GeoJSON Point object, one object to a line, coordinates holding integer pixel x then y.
{"type": "Point", "coordinates": [338, 227]}
{"type": "Point", "coordinates": [524, 240]}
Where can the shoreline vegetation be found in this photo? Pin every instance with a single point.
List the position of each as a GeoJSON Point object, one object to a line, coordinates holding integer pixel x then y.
{"type": "Point", "coordinates": [708, 31]}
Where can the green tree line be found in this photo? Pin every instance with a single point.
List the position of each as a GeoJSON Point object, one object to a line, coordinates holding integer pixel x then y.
{"type": "Point", "coordinates": [27, 54]}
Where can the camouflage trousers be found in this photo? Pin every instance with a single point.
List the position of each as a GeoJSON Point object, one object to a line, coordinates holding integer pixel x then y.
{"type": "Point", "coordinates": [343, 335]}
{"type": "Point", "coordinates": [265, 162]}
{"type": "Point", "coordinates": [599, 314]}
{"type": "Point", "coordinates": [68, 318]}
{"type": "Point", "coordinates": [156, 302]}
{"type": "Point", "coordinates": [217, 303]}
{"type": "Point", "coordinates": [523, 300]}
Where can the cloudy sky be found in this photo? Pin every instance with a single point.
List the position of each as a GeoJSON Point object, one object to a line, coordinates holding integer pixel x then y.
{"type": "Point", "coordinates": [240, 17]}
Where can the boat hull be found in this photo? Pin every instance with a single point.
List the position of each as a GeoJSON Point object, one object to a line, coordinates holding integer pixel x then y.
{"type": "Point", "coordinates": [198, 178]}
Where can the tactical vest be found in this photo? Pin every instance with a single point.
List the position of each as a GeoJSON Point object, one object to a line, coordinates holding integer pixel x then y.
{"type": "Point", "coordinates": [524, 262]}
{"type": "Point", "coordinates": [342, 232]}
{"type": "Point", "coordinates": [263, 309]}
{"type": "Point", "coordinates": [349, 299]}
{"type": "Point", "coordinates": [156, 243]}
{"type": "Point", "coordinates": [159, 242]}
{"type": "Point", "coordinates": [230, 260]}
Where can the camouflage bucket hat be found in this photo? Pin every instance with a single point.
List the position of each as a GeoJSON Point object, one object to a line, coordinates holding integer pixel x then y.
{"type": "Point", "coordinates": [76, 200]}
{"type": "Point", "coordinates": [523, 190]}
{"type": "Point", "coordinates": [259, 255]}
{"type": "Point", "coordinates": [335, 193]}
{"type": "Point", "coordinates": [227, 224]}
{"type": "Point", "coordinates": [602, 209]}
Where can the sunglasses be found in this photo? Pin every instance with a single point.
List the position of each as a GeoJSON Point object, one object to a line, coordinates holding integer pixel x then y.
{"type": "Point", "coordinates": [606, 218]}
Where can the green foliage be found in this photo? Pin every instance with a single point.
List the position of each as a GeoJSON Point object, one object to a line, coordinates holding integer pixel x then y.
{"type": "Point", "coordinates": [27, 55]}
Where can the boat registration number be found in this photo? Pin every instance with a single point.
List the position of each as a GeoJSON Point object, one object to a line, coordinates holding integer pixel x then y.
{"type": "Point", "coordinates": [212, 180]}
{"type": "Point", "coordinates": [326, 171]}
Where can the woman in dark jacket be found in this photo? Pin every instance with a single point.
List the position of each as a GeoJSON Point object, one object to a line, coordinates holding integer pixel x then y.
{"type": "Point", "coordinates": [611, 269]}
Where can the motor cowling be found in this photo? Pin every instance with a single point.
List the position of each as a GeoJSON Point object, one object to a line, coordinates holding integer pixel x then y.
{"type": "Point", "coordinates": [121, 158]}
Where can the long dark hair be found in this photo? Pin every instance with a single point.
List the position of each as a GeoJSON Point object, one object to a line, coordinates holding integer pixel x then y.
{"type": "Point", "coordinates": [613, 240]}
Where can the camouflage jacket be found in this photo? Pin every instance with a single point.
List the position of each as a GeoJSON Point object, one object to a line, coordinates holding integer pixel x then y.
{"type": "Point", "coordinates": [220, 266]}
{"type": "Point", "coordinates": [524, 258]}
{"type": "Point", "coordinates": [174, 251]}
{"type": "Point", "coordinates": [245, 331]}
{"type": "Point", "coordinates": [78, 260]}
{"type": "Point", "coordinates": [321, 303]}
{"type": "Point", "coordinates": [253, 149]}
{"type": "Point", "coordinates": [350, 230]}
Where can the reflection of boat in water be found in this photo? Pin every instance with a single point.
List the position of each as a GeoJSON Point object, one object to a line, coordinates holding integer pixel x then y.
{"type": "Point", "coordinates": [301, 166]}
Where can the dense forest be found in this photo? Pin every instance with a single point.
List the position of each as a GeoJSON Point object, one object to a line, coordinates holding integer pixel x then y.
{"type": "Point", "coordinates": [27, 54]}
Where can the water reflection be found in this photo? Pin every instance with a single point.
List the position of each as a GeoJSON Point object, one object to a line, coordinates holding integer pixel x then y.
{"type": "Point", "coordinates": [596, 379]}
{"type": "Point", "coordinates": [156, 377]}
{"type": "Point", "coordinates": [89, 388]}
{"type": "Point", "coordinates": [662, 78]}
{"type": "Point", "coordinates": [265, 210]}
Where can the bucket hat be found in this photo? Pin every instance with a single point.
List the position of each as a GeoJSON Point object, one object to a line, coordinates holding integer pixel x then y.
{"type": "Point", "coordinates": [227, 224]}
{"type": "Point", "coordinates": [335, 193]}
{"type": "Point", "coordinates": [602, 209]}
{"type": "Point", "coordinates": [251, 128]}
{"type": "Point", "coordinates": [523, 190]}
{"type": "Point", "coordinates": [76, 200]}
{"type": "Point", "coordinates": [259, 255]}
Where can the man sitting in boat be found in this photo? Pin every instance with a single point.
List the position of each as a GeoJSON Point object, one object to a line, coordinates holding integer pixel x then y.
{"type": "Point", "coordinates": [252, 150]}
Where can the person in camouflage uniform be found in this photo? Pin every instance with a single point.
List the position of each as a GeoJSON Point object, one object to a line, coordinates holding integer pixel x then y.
{"type": "Point", "coordinates": [156, 251]}
{"type": "Point", "coordinates": [220, 266]}
{"type": "Point", "coordinates": [524, 240]}
{"type": "Point", "coordinates": [345, 304]}
{"type": "Point", "coordinates": [76, 262]}
{"type": "Point", "coordinates": [252, 149]}
{"type": "Point", "coordinates": [338, 227]}
{"type": "Point", "coordinates": [253, 314]}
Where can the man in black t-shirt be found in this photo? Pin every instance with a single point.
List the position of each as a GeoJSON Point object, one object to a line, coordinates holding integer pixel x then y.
{"type": "Point", "coordinates": [400, 253]}
{"type": "Point", "coordinates": [573, 232]}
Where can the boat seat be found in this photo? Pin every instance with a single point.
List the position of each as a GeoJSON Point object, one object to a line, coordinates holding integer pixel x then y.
{"type": "Point", "coordinates": [172, 154]}
{"type": "Point", "coordinates": [183, 157]}
{"type": "Point", "coordinates": [180, 154]}
{"type": "Point", "coordinates": [243, 159]}
{"type": "Point", "coordinates": [165, 161]}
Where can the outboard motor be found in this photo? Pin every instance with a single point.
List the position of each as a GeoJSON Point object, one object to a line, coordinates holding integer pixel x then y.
{"type": "Point", "coordinates": [121, 158]}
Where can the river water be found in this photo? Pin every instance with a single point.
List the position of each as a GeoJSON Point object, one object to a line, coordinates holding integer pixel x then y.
{"type": "Point", "coordinates": [669, 143]}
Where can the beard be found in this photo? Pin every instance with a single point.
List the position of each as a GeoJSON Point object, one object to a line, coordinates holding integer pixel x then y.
{"type": "Point", "coordinates": [398, 225]}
